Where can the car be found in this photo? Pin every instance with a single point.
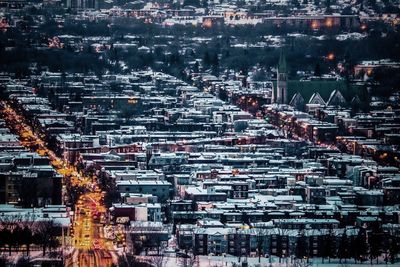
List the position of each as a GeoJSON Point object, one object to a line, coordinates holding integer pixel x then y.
{"type": "Point", "coordinates": [106, 256]}
{"type": "Point", "coordinates": [96, 244]}
{"type": "Point", "coordinates": [169, 250]}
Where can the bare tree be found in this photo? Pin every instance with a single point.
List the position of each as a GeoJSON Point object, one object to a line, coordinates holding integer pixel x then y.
{"type": "Point", "coordinates": [128, 260]}
{"type": "Point", "coordinates": [8, 232]}
{"type": "Point", "coordinates": [45, 234]}
{"type": "Point", "coordinates": [158, 261]}
{"type": "Point", "coordinates": [281, 232]}
{"type": "Point", "coordinates": [190, 260]}
{"type": "Point", "coordinates": [3, 261]}
{"type": "Point", "coordinates": [260, 234]}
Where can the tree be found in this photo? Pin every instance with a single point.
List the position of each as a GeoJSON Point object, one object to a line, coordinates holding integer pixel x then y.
{"type": "Point", "coordinates": [112, 196]}
{"type": "Point", "coordinates": [375, 242]}
{"type": "Point", "coordinates": [296, 3]}
{"type": "Point", "coordinates": [301, 245]}
{"type": "Point", "coordinates": [260, 75]}
{"type": "Point", "coordinates": [317, 70]}
{"type": "Point", "coordinates": [189, 261]}
{"type": "Point", "coordinates": [27, 238]}
{"type": "Point", "coordinates": [328, 5]}
{"type": "Point", "coordinates": [3, 261]}
{"type": "Point", "coordinates": [343, 247]}
{"type": "Point", "coordinates": [328, 246]}
{"type": "Point", "coordinates": [46, 235]}
{"type": "Point", "coordinates": [245, 217]}
{"type": "Point", "coordinates": [206, 58]}
{"type": "Point", "coordinates": [158, 261]}
{"type": "Point", "coordinates": [9, 224]}
{"type": "Point", "coordinates": [260, 242]}
{"type": "Point", "coordinates": [393, 248]}
{"type": "Point", "coordinates": [51, 95]}
{"type": "Point", "coordinates": [196, 67]}
{"type": "Point", "coordinates": [372, 3]}
{"type": "Point", "coordinates": [17, 236]}
{"type": "Point", "coordinates": [195, 3]}
{"type": "Point", "coordinates": [7, 234]}
{"type": "Point", "coordinates": [3, 240]}
{"type": "Point", "coordinates": [215, 64]}
{"type": "Point", "coordinates": [360, 245]}
{"type": "Point", "coordinates": [348, 65]}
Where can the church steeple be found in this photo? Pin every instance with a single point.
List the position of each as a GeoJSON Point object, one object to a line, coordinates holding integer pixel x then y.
{"type": "Point", "coordinates": [282, 68]}
{"type": "Point", "coordinates": [281, 84]}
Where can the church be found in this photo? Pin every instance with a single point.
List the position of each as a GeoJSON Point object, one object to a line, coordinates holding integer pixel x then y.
{"type": "Point", "coordinates": [305, 94]}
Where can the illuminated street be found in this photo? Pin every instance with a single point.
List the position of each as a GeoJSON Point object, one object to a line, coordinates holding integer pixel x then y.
{"type": "Point", "coordinates": [199, 133]}
{"type": "Point", "coordinates": [88, 221]}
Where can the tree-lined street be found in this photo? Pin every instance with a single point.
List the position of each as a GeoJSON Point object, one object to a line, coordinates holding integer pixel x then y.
{"type": "Point", "coordinates": [89, 209]}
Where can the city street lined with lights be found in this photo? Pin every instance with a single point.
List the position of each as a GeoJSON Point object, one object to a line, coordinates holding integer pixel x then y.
{"type": "Point", "coordinates": [89, 247]}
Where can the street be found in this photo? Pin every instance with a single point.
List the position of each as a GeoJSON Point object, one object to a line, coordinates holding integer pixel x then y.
{"type": "Point", "coordinates": [89, 247]}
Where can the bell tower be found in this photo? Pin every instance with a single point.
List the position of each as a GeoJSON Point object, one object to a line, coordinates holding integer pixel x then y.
{"type": "Point", "coordinates": [281, 96]}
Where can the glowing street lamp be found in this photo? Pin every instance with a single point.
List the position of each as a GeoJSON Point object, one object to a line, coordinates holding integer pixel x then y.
{"type": "Point", "coordinates": [314, 25]}
{"type": "Point", "coordinates": [329, 23]}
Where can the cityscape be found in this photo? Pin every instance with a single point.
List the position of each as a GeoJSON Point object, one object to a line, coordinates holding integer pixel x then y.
{"type": "Point", "coordinates": [204, 133]}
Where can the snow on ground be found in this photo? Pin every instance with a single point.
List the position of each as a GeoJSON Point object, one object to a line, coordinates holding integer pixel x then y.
{"type": "Point", "coordinates": [350, 36]}
{"type": "Point", "coordinates": [228, 261]}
